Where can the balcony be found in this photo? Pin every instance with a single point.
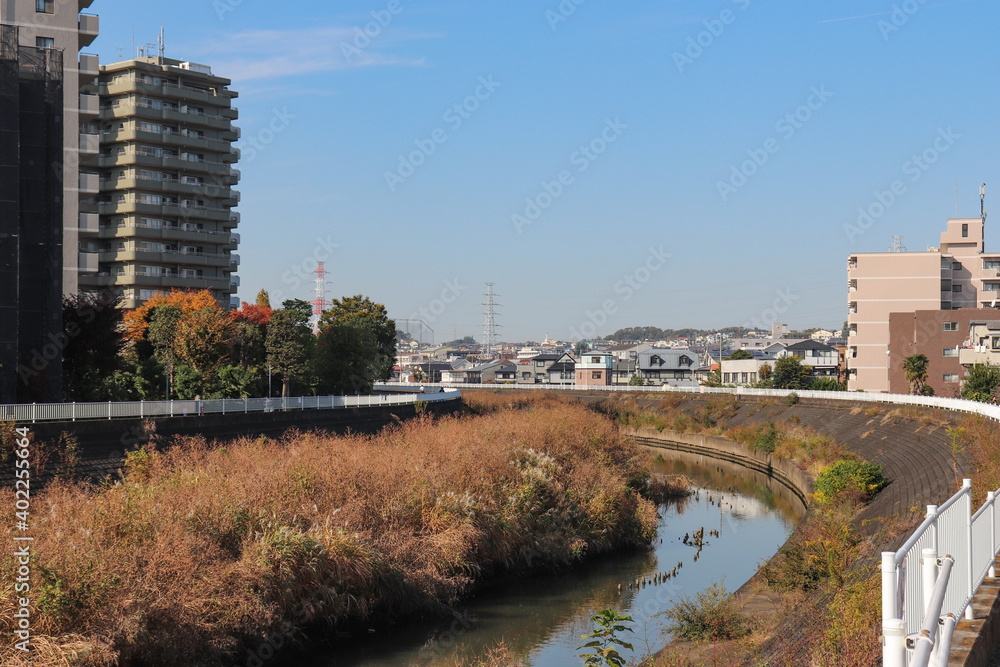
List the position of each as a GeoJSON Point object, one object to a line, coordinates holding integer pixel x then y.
{"type": "Point", "coordinates": [89, 222]}
{"type": "Point", "coordinates": [234, 260]}
{"type": "Point", "coordinates": [90, 183]}
{"type": "Point", "coordinates": [90, 144]}
{"type": "Point", "coordinates": [90, 26]}
{"type": "Point", "coordinates": [979, 354]}
{"type": "Point", "coordinates": [88, 262]}
{"type": "Point", "coordinates": [90, 66]}
{"type": "Point", "coordinates": [234, 238]}
{"type": "Point", "coordinates": [90, 106]}
{"type": "Point", "coordinates": [234, 281]}
{"type": "Point", "coordinates": [234, 303]}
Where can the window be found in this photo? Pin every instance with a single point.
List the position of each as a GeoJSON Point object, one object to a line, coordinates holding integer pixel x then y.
{"type": "Point", "coordinates": [45, 42]}
{"type": "Point", "coordinates": [965, 231]}
{"type": "Point", "coordinates": [996, 343]}
{"type": "Point", "coordinates": [956, 266]}
{"type": "Point", "coordinates": [595, 360]}
{"type": "Point", "coordinates": [44, 6]}
{"type": "Point", "coordinates": [951, 377]}
{"type": "Point", "coordinates": [956, 288]}
{"type": "Point", "coordinates": [596, 375]}
{"type": "Point", "coordinates": [951, 326]}
{"type": "Point", "coordinates": [950, 352]}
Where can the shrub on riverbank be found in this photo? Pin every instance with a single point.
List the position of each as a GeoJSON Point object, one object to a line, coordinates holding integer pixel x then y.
{"type": "Point", "coordinates": [203, 554]}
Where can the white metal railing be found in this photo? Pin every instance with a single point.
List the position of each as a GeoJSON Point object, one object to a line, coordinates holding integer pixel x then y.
{"type": "Point", "coordinates": [909, 576]}
{"type": "Point", "coordinates": [36, 412]}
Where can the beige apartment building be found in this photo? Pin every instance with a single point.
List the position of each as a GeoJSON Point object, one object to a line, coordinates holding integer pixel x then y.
{"type": "Point", "coordinates": [62, 25]}
{"type": "Point", "coordinates": [958, 274]}
{"type": "Point", "coordinates": [164, 203]}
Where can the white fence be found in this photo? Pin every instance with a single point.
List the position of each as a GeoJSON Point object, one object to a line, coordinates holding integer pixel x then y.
{"type": "Point", "coordinates": [36, 412]}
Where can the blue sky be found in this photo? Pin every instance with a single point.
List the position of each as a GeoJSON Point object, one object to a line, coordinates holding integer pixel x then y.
{"type": "Point", "coordinates": [672, 163]}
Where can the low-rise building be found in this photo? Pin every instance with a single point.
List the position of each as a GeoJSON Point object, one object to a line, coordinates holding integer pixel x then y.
{"type": "Point", "coordinates": [667, 366]}
{"type": "Point", "coordinates": [535, 370]}
{"type": "Point", "coordinates": [822, 360]}
{"type": "Point", "coordinates": [746, 372]}
{"type": "Point", "coordinates": [594, 369]}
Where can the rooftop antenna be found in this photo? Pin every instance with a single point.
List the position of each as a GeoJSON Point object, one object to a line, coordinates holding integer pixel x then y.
{"type": "Point", "coordinates": [897, 244]}
{"type": "Point", "coordinates": [162, 46]}
{"type": "Point", "coordinates": [982, 202]}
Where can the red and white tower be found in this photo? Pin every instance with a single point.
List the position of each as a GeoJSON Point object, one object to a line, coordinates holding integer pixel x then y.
{"type": "Point", "coordinates": [320, 303]}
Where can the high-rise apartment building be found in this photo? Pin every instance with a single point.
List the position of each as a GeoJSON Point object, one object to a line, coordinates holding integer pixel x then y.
{"type": "Point", "coordinates": [41, 144]}
{"type": "Point", "coordinates": [164, 217]}
{"type": "Point", "coordinates": [60, 25]}
{"type": "Point", "coordinates": [957, 275]}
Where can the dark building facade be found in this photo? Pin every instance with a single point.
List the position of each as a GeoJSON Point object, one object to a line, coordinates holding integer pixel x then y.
{"type": "Point", "coordinates": [31, 153]}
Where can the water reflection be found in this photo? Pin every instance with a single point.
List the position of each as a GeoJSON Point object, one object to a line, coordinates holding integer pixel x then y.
{"type": "Point", "coordinates": [542, 617]}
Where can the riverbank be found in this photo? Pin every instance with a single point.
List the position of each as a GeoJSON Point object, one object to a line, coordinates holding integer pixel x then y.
{"type": "Point", "coordinates": [207, 554]}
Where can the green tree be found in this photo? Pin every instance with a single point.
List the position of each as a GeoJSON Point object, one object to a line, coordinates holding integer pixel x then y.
{"type": "Point", "coordinates": [826, 384]}
{"type": "Point", "coordinates": [162, 336]}
{"type": "Point", "coordinates": [372, 319]}
{"type": "Point", "coordinates": [740, 354]}
{"type": "Point", "coordinates": [915, 368]}
{"type": "Point", "coordinates": [604, 639]}
{"type": "Point", "coordinates": [289, 343]}
{"type": "Point", "coordinates": [202, 343]}
{"type": "Point", "coordinates": [764, 374]}
{"type": "Point", "coordinates": [789, 373]}
{"type": "Point", "coordinates": [982, 383]}
{"type": "Point", "coordinates": [580, 348]}
{"type": "Point", "coordinates": [636, 381]}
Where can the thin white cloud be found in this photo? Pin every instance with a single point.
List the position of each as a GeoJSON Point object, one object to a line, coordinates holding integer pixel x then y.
{"type": "Point", "coordinates": [262, 54]}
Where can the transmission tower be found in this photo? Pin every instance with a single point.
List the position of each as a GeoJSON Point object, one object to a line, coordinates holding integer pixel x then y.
{"type": "Point", "coordinates": [897, 244]}
{"type": "Point", "coordinates": [320, 303]}
{"type": "Point", "coordinates": [490, 325]}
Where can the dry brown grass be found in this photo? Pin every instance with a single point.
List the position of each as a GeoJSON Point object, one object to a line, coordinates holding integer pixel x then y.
{"type": "Point", "coordinates": [203, 551]}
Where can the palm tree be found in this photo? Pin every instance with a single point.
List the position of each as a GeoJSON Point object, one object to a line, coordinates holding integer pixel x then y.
{"type": "Point", "coordinates": [915, 367]}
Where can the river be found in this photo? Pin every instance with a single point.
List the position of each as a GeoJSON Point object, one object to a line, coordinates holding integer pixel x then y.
{"type": "Point", "coordinates": [542, 617]}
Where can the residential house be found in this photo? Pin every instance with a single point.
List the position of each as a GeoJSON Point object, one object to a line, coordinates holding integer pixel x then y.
{"type": "Point", "coordinates": [822, 359]}
{"type": "Point", "coordinates": [667, 366]}
{"type": "Point", "coordinates": [628, 351]}
{"type": "Point", "coordinates": [562, 372]}
{"type": "Point", "coordinates": [746, 372]}
{"type": "Point", "coordinates": [535, 370]}
{"type": "Point", "coordinates": [594, 369]}
{"type": "Point", "coordinates": [623, 371]}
